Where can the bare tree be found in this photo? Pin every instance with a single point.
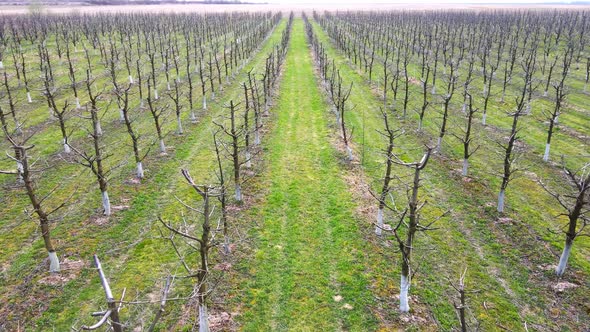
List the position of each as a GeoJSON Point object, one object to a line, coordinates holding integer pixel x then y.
{"type": "Point", "coordinates": [390, 135]}
{"type": "Point", "coordinates": [576, 203]}
{"type": "Point", "coordinates": [467, 137]}
{"type": "Point", "coordinates": [204, 242]}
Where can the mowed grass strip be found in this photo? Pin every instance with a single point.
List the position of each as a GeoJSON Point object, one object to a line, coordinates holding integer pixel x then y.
{"type": "Point", "coordinates": [309, 250]}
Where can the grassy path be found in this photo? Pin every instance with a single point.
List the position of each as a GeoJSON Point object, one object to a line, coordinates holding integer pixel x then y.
{"type": "Point", "coordinates": [309, 248]}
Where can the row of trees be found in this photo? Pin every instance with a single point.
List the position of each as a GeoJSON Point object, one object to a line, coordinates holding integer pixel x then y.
{"type": "Point", "coordinates": [412, 55]}
{"type": "Point", "coordinates": [81, 88]}
{"type": "Point", "coordinates": [233, 151]}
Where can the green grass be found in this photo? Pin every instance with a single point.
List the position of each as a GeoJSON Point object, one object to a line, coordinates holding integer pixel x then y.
{"type": "Point", "coordinates": [308, 247]}
{"type": "Point", "coordinates": [303, 241]}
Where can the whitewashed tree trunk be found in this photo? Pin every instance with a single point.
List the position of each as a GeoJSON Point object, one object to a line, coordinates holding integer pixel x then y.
{"type": "Point", "coordinates": [565, 255]}
{"type": "Point", "coordinates": [483, 118]}
{"type": "Point", "coordinates": [20, 170]}
{"type": "Point", "coordinates": [545, 93]}
{"type": "Point", "coordinates": [29, 99]}
{"type": "Point", "coordinates": [464, 107]}
{"type": "Point", "coordinates": [438, 144]}
{"type": "Point", "coordinates": [420, 125]}
{"type": "Point", "coordinates": [248, 159]}
{"type": "Point", "coordinates": [501, 201]}
{"type": "Point", "coordinates": [433, 89]}
{"type": "Point", "coordinates": [98, 128]}
{"type": "Point", "coordinates": [77, 103]}
{"type": "Point", "coordinates": [379, 227]}
{"type": "Point", "coordinates": [179, 125]}
{"type": "Point", "coordinates": [1, 65]}
{"type": "Point", "coordinates": [204, 102]}
{"type": "Point", "coordinates": [465, 167]}
{"type": "Point", "coordinates": [106, 203]}
{"type": "Point", "coordinates": [404, 305]}
{"type": "Point", "coordinates": [130, 79]}
{"type": "Point", "coordinates": [162, 147]}
{"type": "Point", "coordinates": [121, 116]}
{"type": "Point", "coordinates": [193, 117]}
{"type": "Point", "coordinates": [53, 262]}
{"type": "Point", "coordinates": [226, 248]}
{"type": "Point", "coordinates": [556, 121]}
{"type": "Point", "coordinates": [546, 155]}
{"type": "Point", "coordinates": [139, 170]}
{"type": "Point", "coordinates": [349, 150]}
{"type": "Point", "coordinates": [238, 193]}
{"type": "Point", "coordinates": [156, 94]}
{"type": "Point", "coordinates": [168, 86]}
{"type": "Point", "coordinates": [67, 148]}
{"type": "Point", "coordinates": [257, 137]}
{"type": "Point", "coordinates": [203, 318]}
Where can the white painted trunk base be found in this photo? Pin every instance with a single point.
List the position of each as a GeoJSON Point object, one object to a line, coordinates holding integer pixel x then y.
{"type": "Point", "coordinates": [53, 262]}
{"type": "Point", "coordinates": [29, 97]}
{"type": "Point", "coordinates": [121, 116]}
{"type": "Point", "coordinates": [404, 305]}
{"type": "Point", "coordinates": [78, 103]}
{"type": "Point", "coordinates": [1, 65]}
{"type": "Point", "coordinates": [20, 170]}
{"type": "Point", "coordinates": [106, 203]}
{"type": "Point", "coordinates": [349, 150]}
{"type": "Point", "coordinates": [130, 79]}
{"type": "Point", "coordinates": [193, 117]}
{"type": "Point", "coordinates": [547, 149]}
{"type": "Point", "coordinates": [248, 159]}
{"type": "Point", "coordinates": [565, 255]}
{"type": "Point", "coordinates": [139, 170]}
{"type": "Point", "coordinates": [204, 102]}
{"type": "Point", "coordinates": [238, 193]}
{"type": "Point", "coordinates": [162, 146]}
{"type": "Point", "coordinates": [66, 147]}
{"type": "Point", "coordinates": [179, 126]}
{"type": "Point", "coordinates": [98, 128]}
{"type": "Point", "coordinates": [226, 248]}
{"type": "Point", "coordinates": [465, 167]}
{"type": "Point", "coordinates": [464, 108]}
{"type": "Point", "coordinates": [156, 94]}
{"type": "Point", "coordinates": [545, 93]}
{"type": "Point", "coordinates": [379, 227]}
{"type": "Point", "coordinates": [433, 89]}
{"type": "Point", "coordinates": [168, 86]}
{"type": "Point", "coordinates": [501, 201]}
{"type": "Point", "coordinates": [203, 318]}
{"type": "Point", "coordinates": [483, 119]}
{"type": "Point", "coordinates": [438, 144]}
{"type": "Point", "coordinates": [257, 137]}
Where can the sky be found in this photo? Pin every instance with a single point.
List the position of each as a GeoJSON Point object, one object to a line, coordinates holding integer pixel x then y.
{"type": "Point", "coordinates": [412, 2]}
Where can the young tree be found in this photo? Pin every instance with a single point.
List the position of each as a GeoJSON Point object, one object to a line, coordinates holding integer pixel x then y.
{"type": "Point", "coordinates": [205, 242]}
{"type": "Point", "coordinates": [467, 137]}
{"type": "Point", "coordinates": [390, 135]}
{"type": "Point", "coordinates": [25, 173]}
{"type": "Point", "coordinates": [576, 203]}
{"type": "Point", "coordinates": [560, 95]}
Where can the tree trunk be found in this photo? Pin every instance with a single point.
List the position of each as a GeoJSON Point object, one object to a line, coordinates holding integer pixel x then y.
{"type": "Point", "coordinates": [501, 201]}
{"type": "Point", "coordinates": [106, 203]}
{"type": "Point", "coordinates": [465, 166]}
{"type": "Point", "coordinates": [565, 255]}
{"type": "Point", "coordinates": [404, 305]}
{"type": "Point", "coordinates": [379, 228]}
{"type": "Point", "coordinates": [203, 318]}
{"type": "Point", "coordinates": [139, 170]}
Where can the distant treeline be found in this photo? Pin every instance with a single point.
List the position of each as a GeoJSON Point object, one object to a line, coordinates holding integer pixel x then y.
{"type": "Point", "coordinates": [125, 2]}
